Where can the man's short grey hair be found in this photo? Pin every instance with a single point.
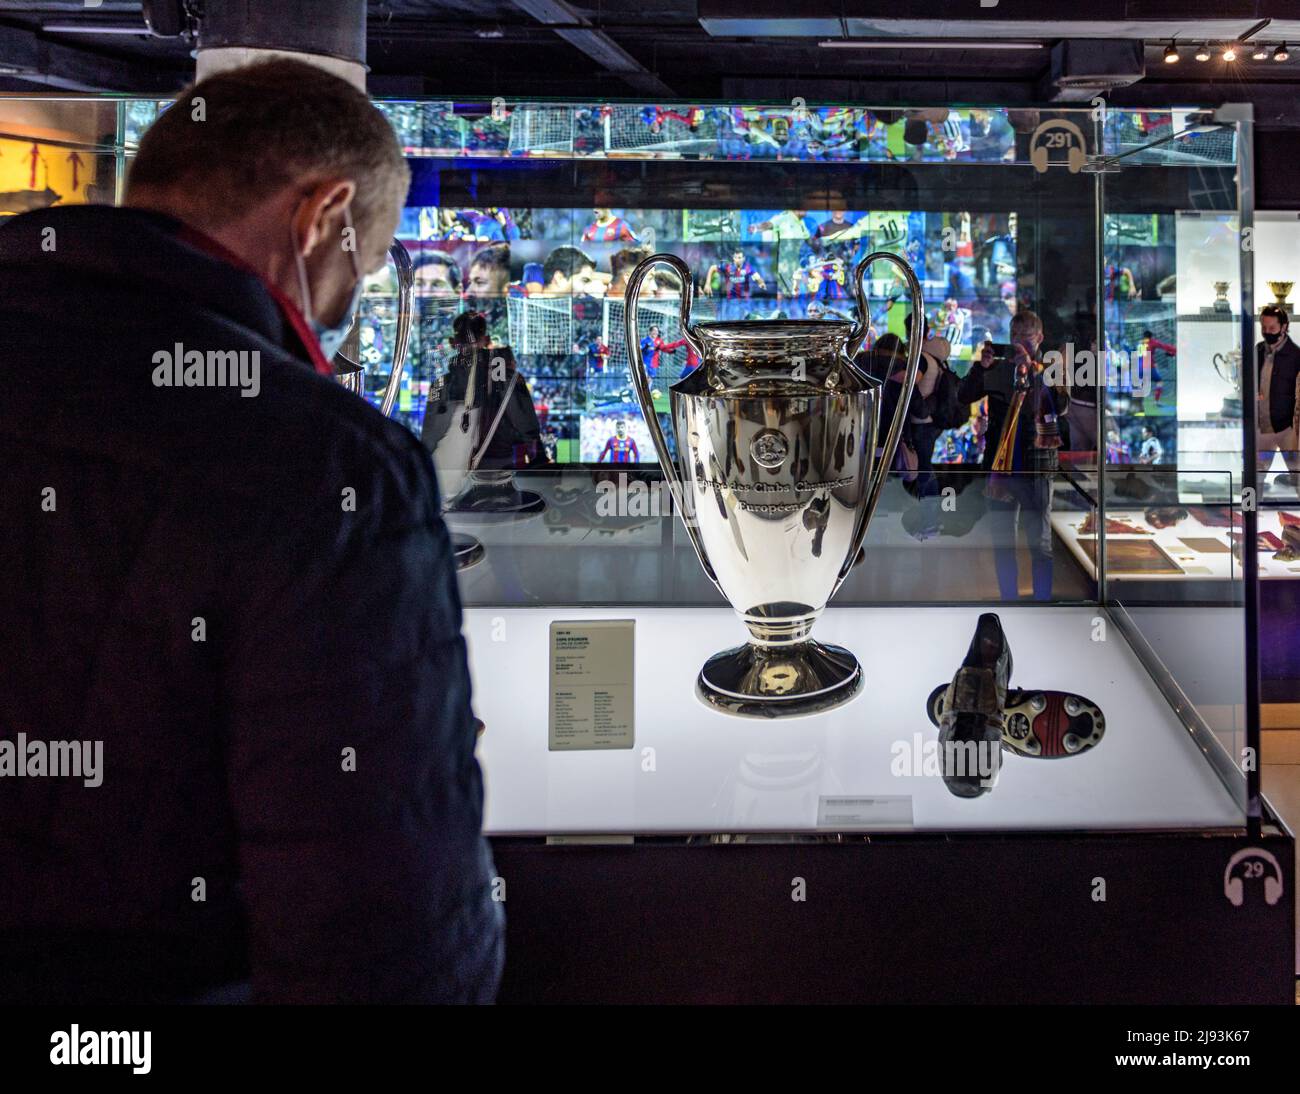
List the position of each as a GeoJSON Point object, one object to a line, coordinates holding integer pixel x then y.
{"type": "Point", "coordinates": [238, 138]}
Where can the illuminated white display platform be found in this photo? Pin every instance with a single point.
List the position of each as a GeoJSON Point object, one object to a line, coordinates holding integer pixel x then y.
{"type": "Point", "coordinates": [696, 771]}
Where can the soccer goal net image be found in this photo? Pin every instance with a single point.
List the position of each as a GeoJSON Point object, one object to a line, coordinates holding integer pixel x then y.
{"type": "Point", "coordinates": [535, 129]}
{"type": "Point", "coordinates": [657, 129]}
{"type": "Point", "coordinates": [541, 324]}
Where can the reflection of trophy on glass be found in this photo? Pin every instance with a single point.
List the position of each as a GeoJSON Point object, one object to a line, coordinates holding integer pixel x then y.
{"type": "Point", "coordinates": [1221, 302]}
{"type": "Point", "coordinates": [1228, 366]}
{"type": "Point", "coordinates": [777, 475]}
{"type": "Point", "coordinates": [1281, 290]}
{"type": "Point", "coordinates": [352, 374]}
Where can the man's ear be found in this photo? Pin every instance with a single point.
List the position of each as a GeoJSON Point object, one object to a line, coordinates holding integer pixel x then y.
{"type": "Point", "coordinates": [320, 213]}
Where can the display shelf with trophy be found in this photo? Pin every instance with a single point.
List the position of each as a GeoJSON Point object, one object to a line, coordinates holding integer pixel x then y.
{"type": "Point", "coordinates": [767, 611]}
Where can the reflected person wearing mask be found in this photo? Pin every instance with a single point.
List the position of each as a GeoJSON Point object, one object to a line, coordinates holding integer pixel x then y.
{"type": "Point", "coordinates": [1278, 415]}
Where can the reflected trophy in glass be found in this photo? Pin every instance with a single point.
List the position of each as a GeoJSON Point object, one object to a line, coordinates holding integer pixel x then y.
{"type": "Point", "coordinates": [352, 374]}
{"type": "Point", "coordinates": [1228, 366]}
{"type": "Point", "coordinates": [776, 475]}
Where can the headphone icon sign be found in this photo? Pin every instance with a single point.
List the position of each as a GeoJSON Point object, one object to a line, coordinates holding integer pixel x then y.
{"type": "Point", "coordinates": [1258, 861]}
{"type": "Point", "coordinates": [1056, 133]}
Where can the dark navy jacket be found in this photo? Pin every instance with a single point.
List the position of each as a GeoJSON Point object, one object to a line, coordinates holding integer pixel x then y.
{"type": "Point", "coordinates": [1282, 396]}
{"type": "Point", "coordinates": [252, 603]}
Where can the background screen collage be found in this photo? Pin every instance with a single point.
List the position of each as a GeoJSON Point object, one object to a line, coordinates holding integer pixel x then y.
{"type": "Point", "coordinates": [551, 285]}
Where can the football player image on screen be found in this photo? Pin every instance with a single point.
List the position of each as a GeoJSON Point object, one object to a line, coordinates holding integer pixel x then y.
{"type": "Point", "coordinates": [620, 448]}
{"type": "Point", "coordinates": [652, 345]}
{"type": "Point", "coordinates": [437, 274]}
{"type": "Point", "coordinates": [622, 263]}
{"type": "Point", "coordinates": [655, 116]}
{"type": "Point", "coordinates": [840, 224]}
{"type": "Point", "coordinates": [489, 271]}
{"type": "Point", "coordinates": [955, 321]}
{"type": "Point", "coordinates": [532, 281]}
{"type": "Point", "coordinates": [461, 224]}
{"type": "Point", "coordinates": [952, 136]}
{"type": "Point", "coordinates": [1146, 352]}
{"type": "Point", "coordinates": [786, 224]}
{"type": "Point", "coordinates": [802, 136]}
{"type": "Point", "coordinates": [732, 132]}
{"type": "Point", "coordinates": [840, 128]}
{"type": "Point", "coordinates": [736, 277]}
{"type": "Point", "coordinates": [597, 355]}
{"type": "Point", "coordinates": [1151, 451]}
{"type": "Point", "coordinates": [500, 219]}
{"type": "Point", "coordinates": [605, 227]}
{"type": "Point", "coordinates": [822, 280]}
{"type": "Point", "coordinates": [568, 270]}
{"type": "Point", "coordinates": [692, 358]}
{"type": "Point", "coordinates": [491, 225]}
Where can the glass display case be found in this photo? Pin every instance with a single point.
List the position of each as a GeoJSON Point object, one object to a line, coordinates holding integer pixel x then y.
{"type": "Point", "coordinates": [629, 819]}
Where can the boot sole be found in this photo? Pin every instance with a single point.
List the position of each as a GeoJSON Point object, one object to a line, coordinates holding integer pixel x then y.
{"type": "Point", "coordinates": [1047, 725]}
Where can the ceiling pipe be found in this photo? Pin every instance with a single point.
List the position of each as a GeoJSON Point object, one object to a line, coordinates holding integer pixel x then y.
{"type": "Point", "coordinates": [328, 33]}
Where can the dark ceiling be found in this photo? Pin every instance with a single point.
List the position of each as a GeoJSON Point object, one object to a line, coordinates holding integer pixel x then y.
{"type": "Point", "coordinates": [710, 49]}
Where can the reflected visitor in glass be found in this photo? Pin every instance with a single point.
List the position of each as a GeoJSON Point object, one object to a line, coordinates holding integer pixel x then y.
{"type": "Point", "coordinates": [1278, 361]}
{"type": "Point", "coordinates": [481, 424]}
{"type": "Point", "coordinates": [1020, 452]}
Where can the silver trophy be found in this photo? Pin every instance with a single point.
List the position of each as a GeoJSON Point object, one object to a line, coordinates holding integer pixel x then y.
{"type": "Point", "coordinates": [776, 476]}
{"type": "Point", "coordinates": [352, 374]}
{"type": "Point", "coordinates": [1228, 366]}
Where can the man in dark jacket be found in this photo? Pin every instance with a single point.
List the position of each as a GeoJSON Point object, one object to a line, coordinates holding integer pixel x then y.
{"type": "Point", "coordinates": [227, 575]}
{"type": "Point", "coordinates": [1278, 360]}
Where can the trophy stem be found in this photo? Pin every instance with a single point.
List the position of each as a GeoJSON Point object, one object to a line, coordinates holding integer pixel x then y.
{"type": "Point", "coordinates": [778, 625]}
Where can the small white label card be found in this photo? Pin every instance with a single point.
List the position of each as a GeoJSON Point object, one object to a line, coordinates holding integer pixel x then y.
{"type": "Point", "coordinates": [592, 666]}
{"type": "Point", "coordinates": [881, 811]}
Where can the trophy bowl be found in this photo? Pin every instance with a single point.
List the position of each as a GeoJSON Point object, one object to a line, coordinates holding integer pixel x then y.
{"type": "Point", "coordinates": [1281, 290]}
{"type": "Point", "coordinates": [776, 475]}
{"type": "Point", "coordinates": [1228, 366]}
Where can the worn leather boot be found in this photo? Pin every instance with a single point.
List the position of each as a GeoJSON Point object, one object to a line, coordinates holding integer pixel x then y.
{"type": "Point", "coordinates": [970, 725]}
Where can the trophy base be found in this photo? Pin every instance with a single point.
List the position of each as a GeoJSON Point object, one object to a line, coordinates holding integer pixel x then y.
{"type": "Point", "coordinates": [1231, 408]}
{"type": "Point", "coordinates": [789, 681]}
{"type": "Point", "coordinates": [494, 500]}
{"type": "Point", "coordinates": [466, 550]}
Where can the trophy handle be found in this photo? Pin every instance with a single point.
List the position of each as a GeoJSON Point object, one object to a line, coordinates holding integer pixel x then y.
{"type": "Point", "coordinates": [405, 318]}
{"type": "Point", "coordinates": [641, 383]}
{"type": "Point", "coordinates": [856, 338]}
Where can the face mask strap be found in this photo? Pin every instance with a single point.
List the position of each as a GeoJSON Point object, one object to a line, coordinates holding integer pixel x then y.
{"type": "Point", "coordinates": [304, 288]}
{"type": "Point", "coordinates": [352, 251]}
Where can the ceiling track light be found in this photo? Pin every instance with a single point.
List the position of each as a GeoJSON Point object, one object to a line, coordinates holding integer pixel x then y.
{"type": "Point", "coordinates": [1281, 54]}
{"type": "Point", "coordinates": [1259, 53]}
{"type": "Point", "coordinates": [1172, 56]}
{"type": "Point", "coordinates": [1203, 52]}
{"type": "Point", "coordinates": [1230, 51]}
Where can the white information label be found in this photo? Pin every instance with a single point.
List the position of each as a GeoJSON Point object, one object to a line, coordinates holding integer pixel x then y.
{"type": "Point", "coordinates": [592, 667]}
{"type": "Point", "coordinates": [882, 811]}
